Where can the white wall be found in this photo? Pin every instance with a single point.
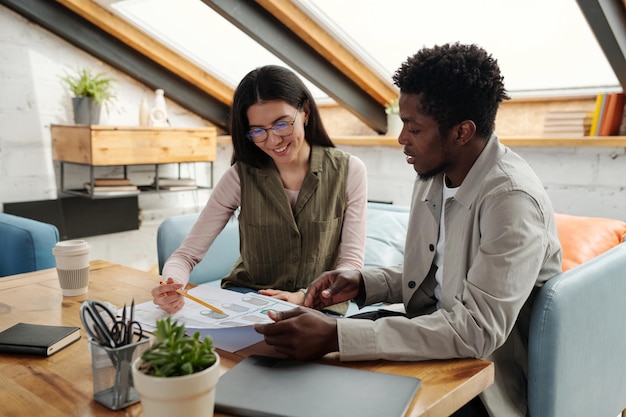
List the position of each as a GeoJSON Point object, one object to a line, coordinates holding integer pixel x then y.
{"type": "Point", "coordinates": [585, 181]}
{"type": "Point", "coordinates": [582, 181]}
{"type": "Point", "coordinates": [32, 98]}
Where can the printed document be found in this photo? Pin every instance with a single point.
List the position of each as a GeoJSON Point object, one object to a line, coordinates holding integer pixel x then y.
{"type": "Point", "coordinates": [231, 331]}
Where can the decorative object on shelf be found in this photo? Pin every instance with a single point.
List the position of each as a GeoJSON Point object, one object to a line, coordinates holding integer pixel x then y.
{"type": "Point", "coordinates": [158, 114]}
{"type": "Point", "coordinates": [612, 116]}
{"type": "Point", "coordinates": [394, 124]}
{"type": "Point", "coordinates": [144, 113]}
{"type": "Point", "coordinates": [91, 91]}
{"type": "Point", "coordinates": [568, 123]}
{"type": "Point", "coordinates": [174, 184]}
{"type": "Point", "coordinates": [178, 374]}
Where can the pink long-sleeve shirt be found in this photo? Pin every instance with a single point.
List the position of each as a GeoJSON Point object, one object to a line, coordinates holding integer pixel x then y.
{"type": "Point", "coordinates": [226, 198]}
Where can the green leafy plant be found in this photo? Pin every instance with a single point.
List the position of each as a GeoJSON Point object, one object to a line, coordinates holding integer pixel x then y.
{"type": "Point", "coordinates": [174, 353]}
{"type": "Point", "coordinates": [83, 82]}
{"type": "Point", "coordinates": [392, 107]}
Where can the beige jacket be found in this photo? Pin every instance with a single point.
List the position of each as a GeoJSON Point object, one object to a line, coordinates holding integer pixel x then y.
{"type": "Point", "coordinates": [501, 244]}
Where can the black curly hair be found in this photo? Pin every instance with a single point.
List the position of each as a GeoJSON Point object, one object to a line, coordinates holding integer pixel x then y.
{"type": "Point", "coordinates": [456, 82]}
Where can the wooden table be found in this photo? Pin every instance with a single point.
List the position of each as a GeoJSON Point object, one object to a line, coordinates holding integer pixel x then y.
{"type": "Point", "coordinates": [61, 385]}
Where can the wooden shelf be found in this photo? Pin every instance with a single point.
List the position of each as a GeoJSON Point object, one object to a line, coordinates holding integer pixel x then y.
{"type": "Point", "coordinates": [587, 141]}
{"type": "Point", "coordinates": [98, 146]}
{"type": "Point", "coordinates": [113, 145]}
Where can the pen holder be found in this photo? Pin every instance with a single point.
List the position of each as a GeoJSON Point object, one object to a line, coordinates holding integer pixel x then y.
{"type": "Point", "coordinates": [112, 378]}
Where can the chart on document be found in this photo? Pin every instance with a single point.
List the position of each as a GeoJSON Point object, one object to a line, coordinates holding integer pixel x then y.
{"type": "Point", "coordinates": [239, 310]}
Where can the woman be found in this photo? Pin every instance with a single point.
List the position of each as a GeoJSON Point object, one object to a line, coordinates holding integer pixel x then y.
{"type": "Point", "coordinates": [302, 201]}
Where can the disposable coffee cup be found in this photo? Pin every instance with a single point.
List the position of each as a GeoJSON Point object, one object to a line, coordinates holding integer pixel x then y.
{"type": "Point", "coordinates": [72, 259]}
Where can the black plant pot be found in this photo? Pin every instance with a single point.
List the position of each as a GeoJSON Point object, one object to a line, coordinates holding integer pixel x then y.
{"type": "Point", "coordinates": [86, 111]}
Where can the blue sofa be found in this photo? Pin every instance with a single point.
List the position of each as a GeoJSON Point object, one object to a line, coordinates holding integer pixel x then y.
{"type": "Point", "coordinates": [577, 348]}
{"type": "Point", "coordinates": [386, 231]}
{"type": "Point", "coordinates": [25, 245]}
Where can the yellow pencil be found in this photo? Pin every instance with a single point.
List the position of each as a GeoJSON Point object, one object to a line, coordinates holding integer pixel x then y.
{"type": "Point", "coordinates": [199, 301]}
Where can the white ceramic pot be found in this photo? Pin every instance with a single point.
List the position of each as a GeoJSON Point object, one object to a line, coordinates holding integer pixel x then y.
{"type": "Point", "coordinates": [190, 395]}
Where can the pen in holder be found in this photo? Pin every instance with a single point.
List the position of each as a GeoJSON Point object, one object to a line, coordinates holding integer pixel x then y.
{"type": "Point", "coordinates": [112, 378]}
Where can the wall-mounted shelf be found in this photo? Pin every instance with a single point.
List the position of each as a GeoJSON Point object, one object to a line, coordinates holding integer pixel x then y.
{"type": "Point", "coordinates": [585, 141]}
{"type": "Point", "coordinates": [98, 146]}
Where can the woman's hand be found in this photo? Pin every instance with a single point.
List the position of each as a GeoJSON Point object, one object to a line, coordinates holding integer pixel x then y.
{"type": "Point", "coordinates": [292, 297]}
{"type": "Point", "coordinates": [166, 297]}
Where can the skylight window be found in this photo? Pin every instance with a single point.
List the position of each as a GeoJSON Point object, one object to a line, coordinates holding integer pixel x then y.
{"type": "Point", "coordinates": [543, 47]}
{"type": "Point", "coordinates": [540, 45]}
{"type": "Point", "coordinates": [206, 38]}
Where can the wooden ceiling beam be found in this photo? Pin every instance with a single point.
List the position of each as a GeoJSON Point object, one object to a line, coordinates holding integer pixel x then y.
{"type": "Point", "coordinates": [305, 27]}
{"type": "Point", "coordinates": [268, 31]}
{"type": "Point", "coordinates": [151, 48]}
{"type": "Point", "coordinates": [91, 38]}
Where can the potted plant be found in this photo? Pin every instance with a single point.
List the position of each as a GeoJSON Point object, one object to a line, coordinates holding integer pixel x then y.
{"type": "Point", "coordinates": [394, 124]}
{"type": "Point", "coordinates": [177, 374]}
{"type": "Point", "coordinates": [91, 90]}
{"type": "Point", "coordinates": [392, 107]}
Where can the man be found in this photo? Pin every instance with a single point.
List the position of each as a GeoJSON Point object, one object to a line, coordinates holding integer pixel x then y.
{"type": "Point", "coordinates": [481, 240]}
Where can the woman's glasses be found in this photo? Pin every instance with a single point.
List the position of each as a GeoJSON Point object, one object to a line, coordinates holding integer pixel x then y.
{"type": "Point", "coordinates": [282, 128]}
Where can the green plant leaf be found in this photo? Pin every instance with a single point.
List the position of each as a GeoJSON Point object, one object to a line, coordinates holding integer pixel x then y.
{"type": "Point", "coordinates": [83, 82]}
{"type": "Point", "coordinates": [174, 353]}
{"type": "Point", "coordinates": [392, 107]}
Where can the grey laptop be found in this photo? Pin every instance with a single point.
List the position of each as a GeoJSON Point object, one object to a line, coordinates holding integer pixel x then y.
{"type": "Point", "coordinates": [261, 386]}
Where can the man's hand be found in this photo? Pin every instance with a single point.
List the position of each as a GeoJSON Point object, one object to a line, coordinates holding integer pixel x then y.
{"type": "Point", "coordinates": [166, 297]}
{"type": "Point", "coordinates": [301, 333]}
{"type": "Point", "coordinates": [333, 287]}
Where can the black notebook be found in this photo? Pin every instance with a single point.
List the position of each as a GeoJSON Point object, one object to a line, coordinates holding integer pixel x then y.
{"type": "Point", "coordinates": [37, 339]}
{"type": "Point", "coordinates": [261, 386]}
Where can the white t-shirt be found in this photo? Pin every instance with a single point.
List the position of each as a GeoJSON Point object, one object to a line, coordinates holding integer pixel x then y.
{"type": "Point", "coordinates": [447, 194]}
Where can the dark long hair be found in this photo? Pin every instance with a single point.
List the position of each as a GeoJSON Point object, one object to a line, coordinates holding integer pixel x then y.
{"type": "Point", "coordinates": [268, 83]}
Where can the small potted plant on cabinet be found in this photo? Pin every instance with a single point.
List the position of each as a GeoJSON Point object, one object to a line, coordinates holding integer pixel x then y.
{"type": "Point", "coordinates": [90, 91]}
{"type": "Point", "coordinates": [177, 374]}
{"type": "Point", "coordinates": [394, 123]}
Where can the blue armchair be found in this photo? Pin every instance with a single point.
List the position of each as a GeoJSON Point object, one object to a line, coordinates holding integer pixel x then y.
{"type": "Point", "coordinates": [576, 344]}
{"type": "Point", "coordinates": [220, 257]}
{"type": "Point", "coordinates": [25, 245]}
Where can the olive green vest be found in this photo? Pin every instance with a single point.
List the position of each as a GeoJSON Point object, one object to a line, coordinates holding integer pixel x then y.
{"type": "Point", "coordinates": [283, 248]}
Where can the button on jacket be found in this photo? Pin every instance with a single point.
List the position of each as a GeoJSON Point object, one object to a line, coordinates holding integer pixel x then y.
{"type": "Point", "coordinates": [501, 245]}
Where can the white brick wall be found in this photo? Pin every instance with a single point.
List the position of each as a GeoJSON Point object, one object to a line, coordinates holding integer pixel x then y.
{"type": "Point", "coordinates": [582, 181]}
{"type": "Point", "coordinates": [32, 98]}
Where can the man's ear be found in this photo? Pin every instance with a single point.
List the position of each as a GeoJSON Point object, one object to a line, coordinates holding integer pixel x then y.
{"type": "Point", "coordinates": [465, 131]}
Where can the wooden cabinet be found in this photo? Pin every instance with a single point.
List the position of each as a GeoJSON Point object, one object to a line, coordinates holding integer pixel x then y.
{"type": "Point", "coordinates": [96, 146]}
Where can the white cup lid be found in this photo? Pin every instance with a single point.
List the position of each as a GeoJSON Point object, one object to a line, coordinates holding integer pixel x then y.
{"type": "Point", "coordinates": [71, 247]}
